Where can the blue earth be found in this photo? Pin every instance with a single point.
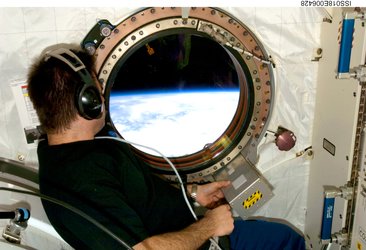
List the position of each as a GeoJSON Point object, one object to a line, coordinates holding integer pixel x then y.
{"type": "Point", "coordinates": [174, 123]}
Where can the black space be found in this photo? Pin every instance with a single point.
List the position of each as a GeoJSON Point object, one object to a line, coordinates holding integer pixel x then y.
{"type": "Point", "coordinates": [180, 62]}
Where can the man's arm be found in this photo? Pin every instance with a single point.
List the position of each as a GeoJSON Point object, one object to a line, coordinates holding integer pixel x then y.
{"type": "Point", "coordinates": [216, 222]}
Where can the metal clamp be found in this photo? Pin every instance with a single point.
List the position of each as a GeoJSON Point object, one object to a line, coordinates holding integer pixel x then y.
{"type": "Point", "coordinates": [359, 73]}
{"type": "Point", "coordinates": [18, 223]}
{"type": "Point", "coordinates": [340, 238]}
{"type": "Point", "coordinates": [12, 231]}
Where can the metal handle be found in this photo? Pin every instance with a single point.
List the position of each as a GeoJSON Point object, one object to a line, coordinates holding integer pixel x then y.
{"type": "Point", "coordinates": [348, 25]}
{"type": "Point", "coordinates": [328, 209]}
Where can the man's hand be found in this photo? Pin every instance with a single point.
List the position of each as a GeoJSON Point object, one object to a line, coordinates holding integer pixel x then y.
{"type": "Point", "coordinates": [221, 220]}
{"type": "Point", "coordinates": [210, 195]}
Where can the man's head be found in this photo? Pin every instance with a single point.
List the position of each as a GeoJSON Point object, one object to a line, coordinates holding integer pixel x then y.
{"type": "Point", "coordinates": [63, 87]}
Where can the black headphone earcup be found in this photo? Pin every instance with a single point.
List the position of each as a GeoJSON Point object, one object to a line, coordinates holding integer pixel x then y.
{"type": "Point", "coordinates": [89, 103]}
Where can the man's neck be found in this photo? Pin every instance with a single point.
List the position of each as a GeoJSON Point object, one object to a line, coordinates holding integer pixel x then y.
{"type": "Point", "coordinates": [78, 131]}
{"type": "Point", "coordinates": [61, 138]}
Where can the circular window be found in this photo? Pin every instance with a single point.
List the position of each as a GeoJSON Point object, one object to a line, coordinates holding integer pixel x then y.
{"type": "Point", "coordinates": [196, 88]}
{"type": "Point", "coordinates": [176, 93]}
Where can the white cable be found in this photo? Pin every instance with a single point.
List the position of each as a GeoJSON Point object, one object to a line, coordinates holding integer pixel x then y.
{"type": "Point", "coordinates": [279, 163]}
{"type": "Point", "coordinates": [213, 241]}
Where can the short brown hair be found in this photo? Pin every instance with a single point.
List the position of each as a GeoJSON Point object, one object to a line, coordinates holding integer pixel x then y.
{"type": "Point", "coordinates": [52, 87]}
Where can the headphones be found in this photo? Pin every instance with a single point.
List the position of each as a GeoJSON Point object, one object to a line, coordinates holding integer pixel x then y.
{"type": "Point", "coordinates": [88, 100]}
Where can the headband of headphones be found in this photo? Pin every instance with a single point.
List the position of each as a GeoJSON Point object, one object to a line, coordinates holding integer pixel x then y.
{"type": "Point", "coordinates": [72, 60]}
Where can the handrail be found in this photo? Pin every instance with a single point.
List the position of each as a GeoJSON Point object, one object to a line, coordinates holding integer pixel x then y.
{"type": "Point", "coordinates": [19, 174]}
